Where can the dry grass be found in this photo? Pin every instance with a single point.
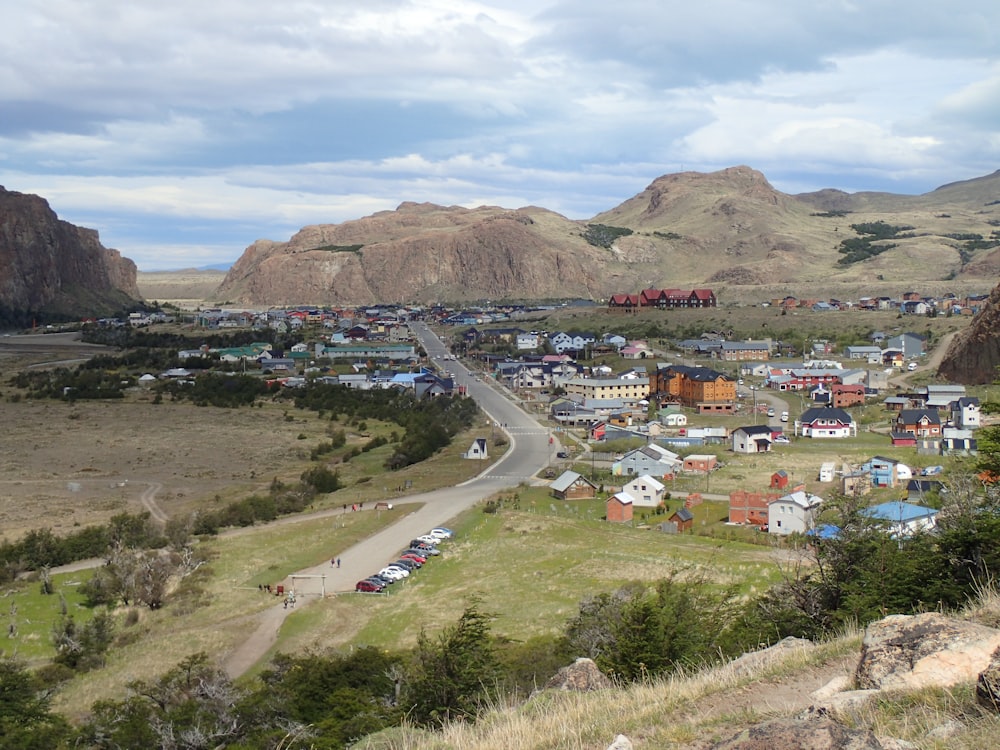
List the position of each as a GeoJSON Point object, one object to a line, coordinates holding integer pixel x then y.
{"type": "Point", "coordinates": [669, 712]}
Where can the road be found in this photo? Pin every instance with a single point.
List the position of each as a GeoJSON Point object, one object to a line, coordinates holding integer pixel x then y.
{"type": "Point", "coordinates": [529, 451]}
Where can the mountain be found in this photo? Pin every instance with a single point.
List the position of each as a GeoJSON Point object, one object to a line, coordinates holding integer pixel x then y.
{"type": "Point", "coordinates": [726, 228]}
{"type": "Point", "coordinates": [52, 267]}
{"type": "Point", "coordinates": [974, 354]}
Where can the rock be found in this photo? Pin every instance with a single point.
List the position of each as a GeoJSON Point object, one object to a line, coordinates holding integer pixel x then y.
{"type": "Point", "coordinates": [988, 685]}
{"type": "Point", "coordinates": [836, 685]}
{"type": "Point", "coordinates": [891, 743]}
{"type": "Point", "coordinates": [848, 706]}
{"type": "Point", "coordinates": [621, 743]}
{"type": "Point", "coordinates": [927, 650]}
{"type": "Point", "coordinates": [49, 264]}
{"type": "Point", "coordinates": [581, 676]}
{"type": "Point", "coordinates": [946, 731]}
{"type": "Point", "coordinates": [755, 660]}
{"type": "Point", "coordinates": [819, 733]}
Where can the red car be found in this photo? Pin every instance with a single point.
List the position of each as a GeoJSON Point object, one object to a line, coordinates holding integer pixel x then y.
{"type": "Point", "coordinates": [413, 556]}
{"type": "Point", "coordinates": [369, 587]}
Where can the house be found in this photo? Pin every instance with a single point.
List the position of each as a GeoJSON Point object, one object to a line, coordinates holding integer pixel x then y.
{"type": "Point", "coordinates": [477, 450]}
{"type": "Point", "coordinates": [741, 351]}
{"type": "Point", "coordinates": [749, 507]}
{"type": "Point", "coordinates": [572, 486]}
{"type": "Point", "coordinates": [651, 459]}
{"type": "Point", "coordinates": [920, 422]}
{"type": "Point", "coordinates": [628, 388]}
{"type": "Point", "coordinates": [697, 387]}
{"type": "Point", "coordinates": [674, 419]}
{"type": "Point", "coordinates": [646, 492]}
{"type": "Point", "coordinates": [779, 480]}
{"type": "Point", "coordinates": [886, 472]}
{"type": "Point", "coordinates": [910, 344]}
{"type": "Point", "coordinates": [870, 354]}
{"type": "Point", "coordinates": [941, 397]}
{"type": "Point", "coordinates": [793, 513]}
{"type": "Point", "coordinates": [902, 519]}
{"type": "Point", "coordinates": [618, 508]}
{"type": "Point", "coordinates": [683, 519]}
{"type": "Point", "coordinates": [825, 422]}
{"type": "Point", "coordinates": [965, 413]}
{"type": "Point", "coordinates": [700, 462]}
{"type": "Point", "coordinates": [752, 439]}
{"type": "Point", "coordinates": [844, 396]}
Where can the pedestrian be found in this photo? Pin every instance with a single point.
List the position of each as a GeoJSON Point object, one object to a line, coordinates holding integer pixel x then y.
{"type": "Point", "coordinates": [286, 602]}
{"type": "Point", "coordinates": [338, 562]}
{"type": "Point", "coordinates": [333, 561]}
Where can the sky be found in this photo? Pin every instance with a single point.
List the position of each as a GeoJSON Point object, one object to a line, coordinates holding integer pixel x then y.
{"type": "Point", "coordinates": [184, 131]}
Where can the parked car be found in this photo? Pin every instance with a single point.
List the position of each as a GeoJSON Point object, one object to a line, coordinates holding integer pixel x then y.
{"type": "Point", "coordinates": [562, 454]}
{"type": "Point", "coordinates": [414, 564]}
{"type": "Point", "coordinates": [441, 532]}
{"type": "Point", "coordinates": [411, 555]}
{"type": "Point", "coordinates": [394, 573]}
{"type": "Point", "coordinates": [421, 551]}
{"type": "Point", "coordinates": [381, 579]}
{"type": "Point", "coordinates": [424, 549]}
{"type": "Point", "coordinates": [784, 416]}
{"type": "Point", "coordinates": [428, 539]}
{"type": "Point", "coordinates": [368, 587]}
{"type": "Point", "coordinates": [780, 439]}
{"type": "Point", "coordinates": [408, 565]}
{"type": "Point", "coordinates": [770, 412]}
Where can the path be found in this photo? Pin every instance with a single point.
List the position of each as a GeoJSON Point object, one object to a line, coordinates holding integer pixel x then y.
{"type": "Point", "coordinates": [148, 500]}
{"type": "Point", "coordinates": [527, 453]}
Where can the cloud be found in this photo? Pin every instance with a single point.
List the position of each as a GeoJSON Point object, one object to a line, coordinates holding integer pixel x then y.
{"type": "Point", "coordinates": [223, 122]}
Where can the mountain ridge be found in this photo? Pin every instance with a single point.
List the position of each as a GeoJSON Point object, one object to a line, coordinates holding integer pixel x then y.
{"type": "Point", "coordinates": [725, 228]}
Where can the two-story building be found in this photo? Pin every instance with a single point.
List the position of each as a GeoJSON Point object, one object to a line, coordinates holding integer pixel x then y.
{"type": "Point", "coordinates": [793, 513]}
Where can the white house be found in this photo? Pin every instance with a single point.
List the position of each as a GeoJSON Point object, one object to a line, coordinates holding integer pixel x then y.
{"type": "Point", "coordinates": [528, 341]}
{"type": "Point", "coordinates": [646, 492]}
{"type": "Point", "coordinates": [794, 513]}
{"type": "Point", "coordinates": [752, 439]}
{"type": "Point", "coordinates": [965, 413]}
{"type": "Point", "coordinates": [674, 419]}
{"type": "Point", "coordinates": [826, 423]}
{"type": "Point", "coordinates": [477, 449]}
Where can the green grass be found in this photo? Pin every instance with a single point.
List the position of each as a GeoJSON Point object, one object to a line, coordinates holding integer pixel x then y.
{"type": "Point", "coordinates": [533, 568]}
{"type": "Point", "coordinates": [34, 614]}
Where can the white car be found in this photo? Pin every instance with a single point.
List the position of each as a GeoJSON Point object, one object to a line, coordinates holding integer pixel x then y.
{"type": "Point", "coordinates": [781, 439]}
{"type": "Point", "coordinates": [428, 539]}
{"type": "Point", "coordinates": [393, 573]}
{"type": "Point", "coordinates": [440, 533]}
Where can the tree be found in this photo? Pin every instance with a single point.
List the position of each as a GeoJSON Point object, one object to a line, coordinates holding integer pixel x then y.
{"type": "Point", "coordinates": [25, 720]}
{"type": "Point", "coordinates": [453, 674]}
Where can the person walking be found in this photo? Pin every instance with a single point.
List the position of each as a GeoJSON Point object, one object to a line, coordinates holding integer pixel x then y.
{"type": "Point", "coordinates": [338, 562]}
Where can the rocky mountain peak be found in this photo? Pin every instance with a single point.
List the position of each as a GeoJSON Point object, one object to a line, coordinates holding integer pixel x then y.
{"type": "Point", "coordinates": [50, 265]}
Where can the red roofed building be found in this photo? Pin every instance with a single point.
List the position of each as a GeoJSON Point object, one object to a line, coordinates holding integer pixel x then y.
{"type": "Point", "coordinates": [624, 302]}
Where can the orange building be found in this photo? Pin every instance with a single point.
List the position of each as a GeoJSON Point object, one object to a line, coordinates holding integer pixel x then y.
{"type": "Point", "coordinates": [693, 386]}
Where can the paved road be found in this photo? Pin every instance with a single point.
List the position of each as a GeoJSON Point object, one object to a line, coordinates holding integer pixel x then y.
{"type": "Point", "coordinates": [529, 451]}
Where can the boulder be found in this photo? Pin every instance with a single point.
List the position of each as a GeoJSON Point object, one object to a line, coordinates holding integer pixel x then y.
{"type": "Point", "coordinates": [621, 743]}
{"type": "Point", "coordinates": [581, 676]}
{"type": "Point", "coordinates": [927, 650]}
{"type": "Point", "coordinates": [754, 661]}
{"type": "Point", "coordinates": [820, 733]}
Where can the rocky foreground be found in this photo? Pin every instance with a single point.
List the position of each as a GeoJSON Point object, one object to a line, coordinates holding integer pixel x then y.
{"type": "Point", "coordinates": [921, 681]}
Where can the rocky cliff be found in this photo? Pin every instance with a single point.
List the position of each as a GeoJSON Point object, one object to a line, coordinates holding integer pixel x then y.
{"type": "Point", "coordinates": [51, 266]}
{"type": "Point", "coordinates": [729, 227]}
{"type": "Point", "coordinates": [974, 354]}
